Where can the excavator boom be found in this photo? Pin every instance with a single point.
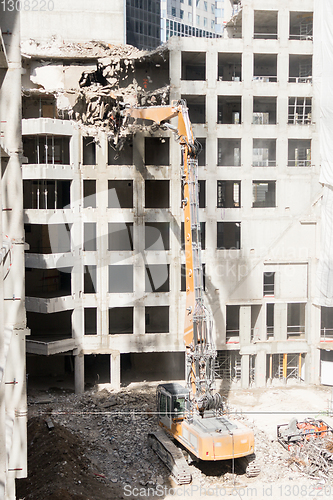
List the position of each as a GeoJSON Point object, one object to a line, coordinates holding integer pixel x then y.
{"type": "Point", "coordinates": [200, 352]}
{"type": "Point", "coordinates": [185, 412]}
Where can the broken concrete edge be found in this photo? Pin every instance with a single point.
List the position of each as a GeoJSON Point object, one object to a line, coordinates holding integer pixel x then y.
{"type": "Point", "coordinates": [94, 49]}
{"type": "Point", "coordinates": [98, 98]}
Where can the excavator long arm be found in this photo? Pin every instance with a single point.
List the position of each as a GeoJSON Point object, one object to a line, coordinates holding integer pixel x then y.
{"type": "Point", "coordinates": [200, 352]}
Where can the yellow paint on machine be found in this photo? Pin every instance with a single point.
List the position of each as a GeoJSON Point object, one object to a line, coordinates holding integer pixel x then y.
{"type": "Point", "coordinates": [213, 445]}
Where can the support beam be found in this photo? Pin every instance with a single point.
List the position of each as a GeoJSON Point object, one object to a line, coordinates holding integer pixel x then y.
{"type": "Point", "coordinates": [280, 321]}
{"type": "Point", "coordinates": [115, 370]}
{"type": "Point", "coordinates": [284, 368]}
{"type": "Point", "coordinates": [270, 376]}
{"type": "Point", "coordinates": [245, 325]}
{"type": "Point", "coordinates": [245, 371]}
{"type": "Point", "coordinates": [260, 376]}
{"type": "Point", "coordinates": [79, 373]}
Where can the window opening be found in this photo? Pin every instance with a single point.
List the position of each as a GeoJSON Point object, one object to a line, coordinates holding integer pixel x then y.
{"type": "Point", "coordinates": [269, 320]}
{"type": "Point", "coordinates": [228, 235]}
{"type": "Point", "coordinates": [228, 194]}
{"type": "Point", "coordinates": [263, 194]}
{"type": "Point", "coordinates": [269, 281]}
{"type": "Point", "coordinates": [295, 320]}
{"type": "Point", "coordinates": [300, 110]}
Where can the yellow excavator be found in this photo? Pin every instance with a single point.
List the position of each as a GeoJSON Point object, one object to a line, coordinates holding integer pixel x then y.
{"type": "Point", "coordinates": [193, 415]}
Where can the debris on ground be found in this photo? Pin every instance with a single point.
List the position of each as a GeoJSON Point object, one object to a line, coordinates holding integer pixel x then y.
{"type": "Point", "coordinates": [313, 458]}
{"type": "Point", "coordinates": [310, 444]}
{"type": "Point", "coordinates": [99, 445]}
{"type": "Point", "coordinates": [59, 468]}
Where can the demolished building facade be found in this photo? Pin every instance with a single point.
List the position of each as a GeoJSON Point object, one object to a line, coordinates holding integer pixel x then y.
{"type": "Point", "coordinates": [105, 280]}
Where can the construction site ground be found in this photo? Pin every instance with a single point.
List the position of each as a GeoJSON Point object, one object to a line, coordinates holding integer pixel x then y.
{"type": "Point", "coordinates": [98, 447]}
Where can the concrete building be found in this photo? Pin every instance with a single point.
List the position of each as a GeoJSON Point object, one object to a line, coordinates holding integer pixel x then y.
{"type": "Point", "coordinates": [251, 102]}
{"type": "Point", "coordinates": [13, 407]}
{"type": "Point", "coordinates": [104, 225]}
{"type": "Point", "coordinates": [196, 18]}
{"type": "Point", "coordinates": [143, 23]}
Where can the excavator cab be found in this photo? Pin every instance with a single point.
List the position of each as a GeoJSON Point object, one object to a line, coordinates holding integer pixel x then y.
{"type": "Point", "coordinates": [172, 403]}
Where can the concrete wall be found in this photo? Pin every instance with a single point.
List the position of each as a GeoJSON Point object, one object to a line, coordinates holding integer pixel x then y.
{"type": "Point", "coordinates": [13, 407]}
{"type": "Point", "coordinates": [75, 21]}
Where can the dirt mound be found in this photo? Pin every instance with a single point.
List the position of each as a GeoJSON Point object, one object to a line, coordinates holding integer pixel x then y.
{"type": "Point", "coordinates": [59, 469]}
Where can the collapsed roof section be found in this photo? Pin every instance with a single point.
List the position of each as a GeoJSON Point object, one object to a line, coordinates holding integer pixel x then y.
{"type": "Point", "coordinates": [92, 82]}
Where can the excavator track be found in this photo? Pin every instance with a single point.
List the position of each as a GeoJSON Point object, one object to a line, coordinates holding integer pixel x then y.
{"type": "Point", "coordinates": [171, 456]}
{"type": "Point", "coordinates": [251, 467]}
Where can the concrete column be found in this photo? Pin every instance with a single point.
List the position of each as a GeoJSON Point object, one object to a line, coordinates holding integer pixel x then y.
{"type": "Point", "coordinates": [270, 368]}
{"type": "Point", "coordinates": [280, 321]}
{"type": "Point", "coordinates": [261, 323]}
{"type": "Point", "coordinates": [248, 24]}
{"type": "Point", "coordinates": [175, 63]}
{"type": "Point", "coordinates": [10, 488]}
{"type": "Point", "coordinates": [247, 69]}
{"type": "Point", "coordinates": [245, 325]}
{"type": "Point", "coordinates": [313, 323]}
{"type": "Point", "coordinates": [312, 358]}
{"type": "Point", "coordinates": [247, 104]}
{"type": "Point", "coordinates": [260, 375]}
{"type": "Point", "coordinates": [78, 324]}
{"type": "Point", "coordinates": [245, 371]}
{"type": "Point", "coordinates": [283, 27]}
{"type": "Point", "coordinates": [211, 68]}
{"type": "Point", "coordinates": [79, 373]}
{"type": "Point", "coordinates": [115, 370]}
{"type": "Point", "coordinates": [246, 187]}
{"type": "Point", "coordinates": [312, 366]}
{"type": "Point", "coordinates": [219, 316]}
{"type": "Point", "coordinates": [303, 317]}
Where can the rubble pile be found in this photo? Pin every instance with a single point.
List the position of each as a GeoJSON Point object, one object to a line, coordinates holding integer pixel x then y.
{"type": "Point", "coordinates": [56, 48]}
{"type": "Point", "coordinates": [99, 94]}
{"type": "Point", "coordinates": [59, 469]}
{"type": "Point", "coordinates": [314, 457]}
{"type": "Point", "coordinates": [102, 96]}
{"type": "Point", "coordinates": [100, 107]}
{"type": "Point", "coordinates": [113, 428]}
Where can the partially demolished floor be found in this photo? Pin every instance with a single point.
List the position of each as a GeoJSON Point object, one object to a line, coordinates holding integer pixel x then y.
{"type": "Point", "coordinates": [103, 79]}
{"type": "Point", "coordinates": [98, 446]}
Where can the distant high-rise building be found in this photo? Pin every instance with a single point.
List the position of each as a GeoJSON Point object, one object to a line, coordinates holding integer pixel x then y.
{"type": "Point", "coordinates": [152, 22]}
{"type": "Point", "coordinates": [190, 18]}
{"type": "Point", "coordinates": [143, 25]}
